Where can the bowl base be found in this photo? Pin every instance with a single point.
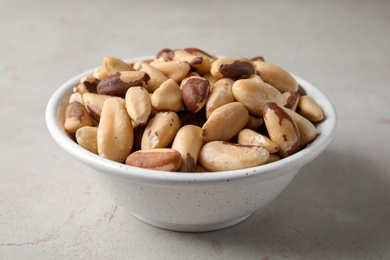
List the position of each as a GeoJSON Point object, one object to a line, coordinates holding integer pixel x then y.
{"type": "Point", "coordinates": [192, 228]}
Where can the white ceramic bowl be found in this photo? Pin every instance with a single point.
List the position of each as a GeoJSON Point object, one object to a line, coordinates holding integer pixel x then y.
{"type": "Point", "coordinates": [190, 202]}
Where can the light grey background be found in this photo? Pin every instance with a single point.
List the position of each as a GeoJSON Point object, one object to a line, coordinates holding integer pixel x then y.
{"type": "Point", "coordinates": [338, 207]}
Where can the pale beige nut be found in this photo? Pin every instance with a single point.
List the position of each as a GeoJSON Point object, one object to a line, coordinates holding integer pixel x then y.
{"type": "Point", "coordinates": [167, 97]}
{"type": "Point", "coordinates": [282, 129]}
{"type": "Point", "coordinates": [100, 73]}
{"type": "Point", "coordinates": [276, 76]}
{"type": "Point", "coordinates": [76, 116]}
{"type": "Point", "coordinates": [220, 94]}
{"type": "Point", "coordinates": [115, 132]}
{"type": "Point", "coordinates": [198, 64]}
{"type": "Point", "coordinates": [195, 91]}
{"type": "Point", "coordinates": [161, 159]}
{"type": "Point", "coordinates": [113, 65]}
{"type": "Point", "coordinates": [310, 109]}
{"type": "Point", "coordinates": [224, 156]}
{"type": "Point", "coordinates": [254, 122]}
{"type": "Point", "coordinates": [117, 84]}
{"type": "Point", "coordinates": [291, 99]}
{"type": "Point", "coordinates": [138, 105]}
{"type": "Point", "coordinates": [225, 122]}
{"type": "Point", "coordinates": [250, 137]}
{"type": "Point", "coordinates": [188, 142]}
{"type": "Point", "coordinates": [76, 97]}
{"type": "Point", "coordinates": [94, 103]}
{"type": "Point", "coordinates": [210, 78]}
{"type": "Point", "coordinates": [234, 67]}
{"type": "Point", "coordinates": [255, 93]}
{"type": "Point", "coordinates": [86, 137]}
{"type": "Point", "coordinates": [307, 130]}
{"type": "Point", "coordinates": [175, 70]}
{"type": "Point", "coordinates": [160, 130]}
{"type": "Point", "coordinates": [156, 76]}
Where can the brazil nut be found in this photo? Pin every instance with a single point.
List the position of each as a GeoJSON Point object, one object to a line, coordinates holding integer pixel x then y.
{"type": "Point", "coordinates": [220, 94]}
{"type": "Point", "coordinates": [310, 109]}
{"type": "Point", "coordinates": [113, 65]}
{"type": "Point", "coordinates": [255, 93]}
{"type": "Point", "coordinates": [225, 122]}
{"type": "Point", "coordinates": [224, 156]}
{"type": "Point", "coordinates": [234, 67]}
{"type": "Point", "coordinates": [276, 76]}
{"type": "Point", "coordinates": [282, 129]}
{"type": "Point", "coordinates": [138, 105]}
{"type": "Point", "coordinates": [117, 84]}
{"type": "Point", "coordinates": [76, 116]}
{"type": "Point", "coordinates": [167, 97]}
{"type": "Point", "coordinates": [251, 137]}
{"type": "Point", "coordinates": [161, 159]}
{"type": "Point", "coordinates": [195, 91]}
{"type": "Point", "coordinates": [86, 137]}
{"type": "Point", "coordinates": [115, 133]}
{"type": "Point", "coordinates": [160, 130]}
{"type": "Point", "coordinates": [188, 142]}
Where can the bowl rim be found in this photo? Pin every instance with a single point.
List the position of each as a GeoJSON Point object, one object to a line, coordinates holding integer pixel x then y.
{"type": "Point", "coordinates": [326, 130]}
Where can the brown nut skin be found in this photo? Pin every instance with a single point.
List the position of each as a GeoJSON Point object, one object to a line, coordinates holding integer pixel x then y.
{"type": "Point", "coordinates": [310, 109]}
{"type": "Point", "coordinates": [225, 122]}
{"type": "Point", "coordinates": [76, 116]}
{"type": "Point", "coordinates": [113, 65]}
{"type": "Point", "coordinates": [255, 93]}
{"type": "Point", "coordinates": [115, 134]}
{"type": "Point", "coordinates": [234, 67]}
{"type": "Point", "coordinates": [276, 76]}
{"type": "Point", "coordinates": [195, 91]}
{"type": "Point", "coordinates": [282, 129]}
{"type": "Point", "coordinates": [188, 142]}
{"type": "Point", "coordinates": [160, 130]}
{"type": "Point", "coordinates": [224, 156]}
{"type": "Point", "coordinates": [117, 84]}
{"type": "Point", "coordinates": [86, 137]}
{"type": "Point", "coordinates": [87, 84]}
{"type": "Point", "coordinates": [161, 159]}
{"type": "Point", "coordinates": [167, 97]}
{"type": "Point", "coordinates": [291, 99]}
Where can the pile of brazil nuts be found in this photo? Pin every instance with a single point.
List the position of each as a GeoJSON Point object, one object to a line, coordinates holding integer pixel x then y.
{"type": "Point", "coordinates": [189, 111]}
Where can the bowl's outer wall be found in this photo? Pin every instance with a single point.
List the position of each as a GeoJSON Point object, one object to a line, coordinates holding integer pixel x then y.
{"type": "Point", "coordinates": [190, 207]}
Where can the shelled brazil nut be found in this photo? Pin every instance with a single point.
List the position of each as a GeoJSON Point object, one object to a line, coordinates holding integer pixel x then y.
{"type": "Point", "coordinates": [186, 110]}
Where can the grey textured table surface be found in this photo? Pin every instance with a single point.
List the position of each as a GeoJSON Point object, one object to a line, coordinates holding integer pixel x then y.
{"type": "Point", "coordinates": [338, 207]}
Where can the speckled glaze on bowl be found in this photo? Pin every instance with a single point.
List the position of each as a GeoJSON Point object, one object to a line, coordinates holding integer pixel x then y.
{"type": "Point", "coordinates": [190, 202]}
